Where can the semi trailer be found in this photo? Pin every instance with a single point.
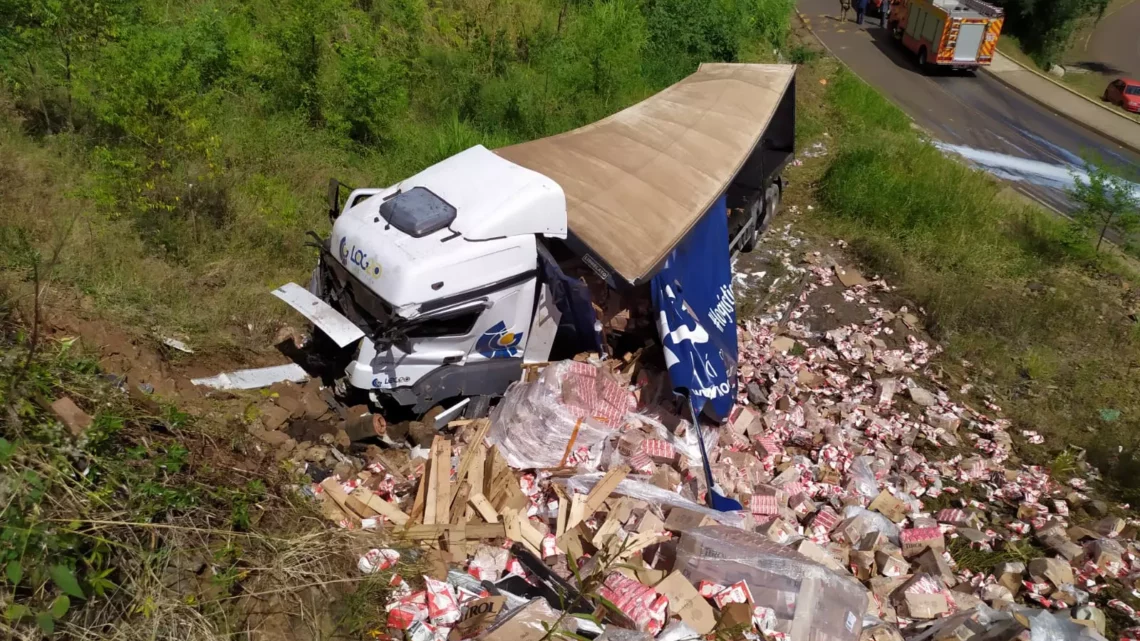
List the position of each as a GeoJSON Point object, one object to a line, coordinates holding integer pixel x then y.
{"type": "Point", "coordinates": [439, 289]}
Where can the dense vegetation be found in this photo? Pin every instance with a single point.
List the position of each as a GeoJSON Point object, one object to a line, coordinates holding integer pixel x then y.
{"type": "Point", "coordinates": [1045, 27]}
{"type": "Point", "coordinates": [200, 133]}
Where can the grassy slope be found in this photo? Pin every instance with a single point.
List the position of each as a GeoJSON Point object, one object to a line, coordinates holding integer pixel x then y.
{"type": "Point", "coordinates": [1024, 307]}
{"type": "Point", "coordinates": [193, 142]}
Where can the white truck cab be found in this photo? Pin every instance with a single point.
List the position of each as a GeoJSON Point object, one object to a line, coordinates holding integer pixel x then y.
{"type": "Point", "coordinates": [443, 267]}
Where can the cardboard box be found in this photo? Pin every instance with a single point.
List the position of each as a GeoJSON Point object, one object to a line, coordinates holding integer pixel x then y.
{"type": "Point", "coordinates": [687, 603]}
{"type": "Point", "coordinates": [528, 623]}
{"type": "Point", "coordinates": [1056, 571]}
{"type": "Point", "coordinates": [915, 540]}
{"type": "Point", "coordinates": [932, 562]}
{"type": "Point", "coordinates": [478, 615]}
{"type": "Point", "coordinates": [889, 506]}
{"type": "Point", "coordinates": [682, 520]}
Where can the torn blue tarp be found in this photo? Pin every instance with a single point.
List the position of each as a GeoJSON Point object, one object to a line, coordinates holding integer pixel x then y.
{"type": "Point", "coordinates": [696, 315]}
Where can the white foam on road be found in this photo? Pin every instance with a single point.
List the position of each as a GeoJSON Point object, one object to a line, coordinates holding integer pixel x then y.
{"type": "Point", "coordinates": [1035, 172]}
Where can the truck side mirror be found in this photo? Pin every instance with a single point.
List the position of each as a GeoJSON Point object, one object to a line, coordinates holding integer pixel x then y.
{"type": "Point", "coordinates": [334, 198]}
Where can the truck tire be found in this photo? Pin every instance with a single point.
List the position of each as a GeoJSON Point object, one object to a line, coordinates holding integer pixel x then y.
{"type": "Point", "coordinates": [922, 59]}
{"type": "Point", "coordinates": [479, 407]}
{"type": "Point", "coordinates": [756, 210]}
{"type": "Point", "coordinates": [771, 205]}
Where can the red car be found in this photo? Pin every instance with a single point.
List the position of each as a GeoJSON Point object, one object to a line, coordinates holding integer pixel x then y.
{"type": "Point", "coordinates": [1124, 92]}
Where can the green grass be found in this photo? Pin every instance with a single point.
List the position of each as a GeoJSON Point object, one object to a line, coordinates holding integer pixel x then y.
{"type": "Point", "coordinates": [1042, 320]}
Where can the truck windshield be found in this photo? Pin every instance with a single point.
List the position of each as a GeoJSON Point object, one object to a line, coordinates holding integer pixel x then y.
{"type": "Point", "coordinates": [417, 212]}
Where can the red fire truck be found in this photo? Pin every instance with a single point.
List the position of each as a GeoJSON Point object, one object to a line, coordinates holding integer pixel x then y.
{"type": "Point", "coordinates": [961, 34]}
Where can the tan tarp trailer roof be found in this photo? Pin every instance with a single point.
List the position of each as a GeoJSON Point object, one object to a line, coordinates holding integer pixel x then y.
{"type": "Point", "coordinates": [637, 181]}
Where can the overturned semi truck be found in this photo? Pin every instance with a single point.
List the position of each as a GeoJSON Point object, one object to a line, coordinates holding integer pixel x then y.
{"type": "Point", "coordinates": [440, 288]}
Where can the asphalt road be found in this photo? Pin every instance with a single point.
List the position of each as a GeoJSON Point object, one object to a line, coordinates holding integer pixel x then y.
{"type": "Point", "coordinates": [995, 127]}
{"type": "Point", "coordinates": [1115, 44]}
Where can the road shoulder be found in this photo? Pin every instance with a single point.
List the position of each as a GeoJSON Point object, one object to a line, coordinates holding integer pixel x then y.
{"type": "Point", "coordinates": [1066, 102]}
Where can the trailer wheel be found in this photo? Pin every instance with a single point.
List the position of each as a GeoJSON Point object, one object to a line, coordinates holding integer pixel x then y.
{"type": "Point", "coordinates": [771, 205]}
{"type": "Point", "coordinates": [755, 218]}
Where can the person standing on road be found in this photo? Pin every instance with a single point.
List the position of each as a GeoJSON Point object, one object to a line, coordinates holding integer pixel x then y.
{"type": "Point", "coordinates": [884, 13]}
{"type": "Point", "coordinates": [860, 10]}
{"type": "Point", "coordinates": [844, 7]}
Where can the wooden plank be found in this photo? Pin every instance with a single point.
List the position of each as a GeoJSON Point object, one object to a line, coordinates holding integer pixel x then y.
{"type": "Point", "coordinates": [458, 509]}
{"type": "Point", "coordinates": [577, 511]}
{"type": "Point", "coordinates": [495, 465]}
{"type": "Point", "coordinates": [484, 507]}
{"type": "Point", "coordinates": [361, 509]}
{"type": "Point", "coordinates": [469, 456]}
{"type": "Point", "coordinates": [334, 491]}
{"type": "Point", "coordinates": [438, 498]}
{"type": "Point", "coordinates": [602, 491]}
{"type": "Point", "coordinates": [431, 502]}
{"type": "Point", "coordinates": [563, 510]}
{"type": "Point", "coordinates": [417, 514]}
{"type": "Point", "coordinates": [476, 469]}
{"type": "Point", "coordinates": [530, 534]}
{"type": "Point", "coordinates": [513, 523]}
{"type": "Point", "coordinates": [457, 543]}
{"type": "Point", "coordinates": [390, 511]}
{"type": "Point", "coordinates": [442, 467]}
{"type": "Point", "coordinates": [472, 531]}
{"type": "Point", "coordinates": [475, 477]}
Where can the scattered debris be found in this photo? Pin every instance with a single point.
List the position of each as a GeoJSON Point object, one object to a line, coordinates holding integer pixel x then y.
{"type": "Point", "coordinates": [72, 417]}
{"type": "Point", "coordinates": [176, 344]}
{"type": "Point", "coordinates": [254, 378]}
{"type": "Point", "coordinates": [863, 480]}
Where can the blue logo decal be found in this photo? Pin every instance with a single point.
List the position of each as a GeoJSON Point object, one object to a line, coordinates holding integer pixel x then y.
{"type": "Point", "coordinates": [497, 342]}
{"type": "Point", "coordinates": [358, 258]}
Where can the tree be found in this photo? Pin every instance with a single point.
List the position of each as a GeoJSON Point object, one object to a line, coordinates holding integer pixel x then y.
{"type": "Point", "coordinates": [1107, 203]}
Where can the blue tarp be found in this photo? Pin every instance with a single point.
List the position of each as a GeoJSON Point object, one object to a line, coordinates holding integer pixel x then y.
{"type": "Point", "coordinates": [696, 315]}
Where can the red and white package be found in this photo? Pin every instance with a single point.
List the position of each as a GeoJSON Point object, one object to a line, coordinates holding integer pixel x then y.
{"type": "Point", "coordinates": [736, 593]}
{"type": "Point", "coordinates": [708, 589]}
{"type": "Point", "coordinates": [443, 609]}
{"type": "Point", "coordinates": [549, 546]}
{"type": "Point", "coordinates": [408, 610]}
{"type": "Point", "coordinates": [764, 504]}
{"type": "Point", "coordinates": [376, 560]}
{"type": "Point", "coordinates": [641, 603]}
{"type": "Point", "coordinates": [658, 450]}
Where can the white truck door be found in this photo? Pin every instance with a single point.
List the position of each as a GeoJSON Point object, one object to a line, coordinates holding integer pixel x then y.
{"type": "Point", "coordinates": [970, 37]}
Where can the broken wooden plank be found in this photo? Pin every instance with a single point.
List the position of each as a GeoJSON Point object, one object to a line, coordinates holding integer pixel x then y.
{"type": "Point", "coordinates": [418, 506]}
{"type": "Point", "coordinates": [604, 488]}
{"type": "Point", "coordinates": [472, 531]}
{"type": "Point", "coordinates": [442, 467]}
{"type": "Point", "coordinates": [458, 509]}
{"type": "Point", "coordinates": [390, 511]}
{"type": "Point", "coordinates": [438, 498]}
{"type": "Point", "coordinates": [470, 455]}
{"type": "Point", "coordinates": [519, 529]}
{"type": "Point", "coordinates": [336, 493]}
{"type": "Point", "coordinates": [475, 477]}
{"type": "Point", "coordinates": [360, 508]}
{"type": "Point", "coordinates": [484, 508]}
{"type": "Point", "coordinates": [563, 510]}
{"type": "Point", "coordinates": [577, 511]}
